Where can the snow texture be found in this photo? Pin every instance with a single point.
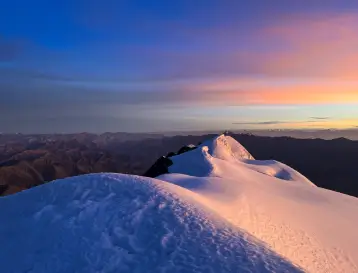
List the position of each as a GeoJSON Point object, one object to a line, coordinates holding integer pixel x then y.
{"type": "Point", "coordinates": [219, 210]}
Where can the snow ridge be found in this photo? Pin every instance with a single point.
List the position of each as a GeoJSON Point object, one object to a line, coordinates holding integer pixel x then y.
{"type": "Point", "coordinates": [218, 210]}
{"type": "Point", "coordinates": [276, 204]}
{"type": "Point", "coordinates": [223, 156]}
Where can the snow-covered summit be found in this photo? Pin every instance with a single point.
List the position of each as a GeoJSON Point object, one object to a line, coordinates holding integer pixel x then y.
{"type": "Point", "coordinates": [224, 157]}
{"type": "Point", "coordinates": [217, 210]}
{"type": "Point", "coordinates": [226, 148]}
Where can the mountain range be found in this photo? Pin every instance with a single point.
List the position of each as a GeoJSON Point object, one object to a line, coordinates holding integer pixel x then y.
{"type": "Point", "coordinates": [30, 160]}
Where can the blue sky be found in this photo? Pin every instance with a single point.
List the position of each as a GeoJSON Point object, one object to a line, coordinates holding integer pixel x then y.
{"type": "Point", "coordinates": [70, 66]}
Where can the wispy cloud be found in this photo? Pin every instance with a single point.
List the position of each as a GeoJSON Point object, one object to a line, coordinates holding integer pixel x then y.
{"type": "Point", "coordinates": [274, 122]}
{"type": "Point", "coordinates": [321, 118]}
{"type": "Point", "coordinates": [314, 46]}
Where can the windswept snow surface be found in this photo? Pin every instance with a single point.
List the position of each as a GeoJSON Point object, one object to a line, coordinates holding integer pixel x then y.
{"type": "Point", "coordinates": [218, 210]}
{"type": "Point", "coordinates": [122, 223]}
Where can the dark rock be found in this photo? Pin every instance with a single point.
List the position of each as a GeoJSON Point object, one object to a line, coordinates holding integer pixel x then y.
{"type": "Point", "coordinates": [186, 149]}
{"type": "Point", "coordinates": [171, 154]}
{"type": "Point", "coordinates": [3, 188]}
{"type": "Point", "coordinates": [162, 164]}
{"type": "Point", "coordinates": [159, 167]}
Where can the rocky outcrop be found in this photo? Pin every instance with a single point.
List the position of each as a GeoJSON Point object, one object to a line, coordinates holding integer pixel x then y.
{"type": "Point", "coordinates": [159, 167]}
{"type": "Point", "coordinates": [186, 148]}
{"type": "Point", "coordinates": [163, 163]}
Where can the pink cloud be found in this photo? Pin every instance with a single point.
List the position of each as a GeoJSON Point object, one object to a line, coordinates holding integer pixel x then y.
{"type": "Point", "coordinates": [321, 46]}
{"type": "Point", "coordinates": [306, 60]}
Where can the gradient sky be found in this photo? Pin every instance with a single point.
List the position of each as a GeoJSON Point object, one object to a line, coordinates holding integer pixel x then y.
{"type": "Point", "coordinates": [86, 65]}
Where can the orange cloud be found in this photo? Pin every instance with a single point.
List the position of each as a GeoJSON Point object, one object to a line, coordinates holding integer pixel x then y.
{"type": "Point", "coordinates": [308, 94]}
{"type": "Point", "coordinates": [273, 91]}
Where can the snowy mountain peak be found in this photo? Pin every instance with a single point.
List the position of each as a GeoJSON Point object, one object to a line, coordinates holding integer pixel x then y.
{"type": "Point", "coordinates": [224, 157]}
{"type": "Point", "coordinates": [226, 148]}
{"type": "Point", "coordinates": [216, 209]}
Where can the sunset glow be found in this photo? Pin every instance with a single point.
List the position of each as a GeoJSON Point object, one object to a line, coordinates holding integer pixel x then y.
{"type": "Point", "coordinates": [99, 64]}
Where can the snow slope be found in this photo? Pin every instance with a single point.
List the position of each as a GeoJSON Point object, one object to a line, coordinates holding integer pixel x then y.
{"type": "Point", "coordinates": [312, 227]}
{"type": "Point", "coordinates": [122, 223]}
{"type": "Point", "coordinates": [218, 210]}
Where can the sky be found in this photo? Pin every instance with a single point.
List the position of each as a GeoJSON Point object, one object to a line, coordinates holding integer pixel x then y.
{"type": "Point", "coordinates": [152, 66]}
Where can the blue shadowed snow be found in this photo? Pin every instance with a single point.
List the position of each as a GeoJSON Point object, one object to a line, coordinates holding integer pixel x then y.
{"type": "Point", "coordinates": [121, 223]}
